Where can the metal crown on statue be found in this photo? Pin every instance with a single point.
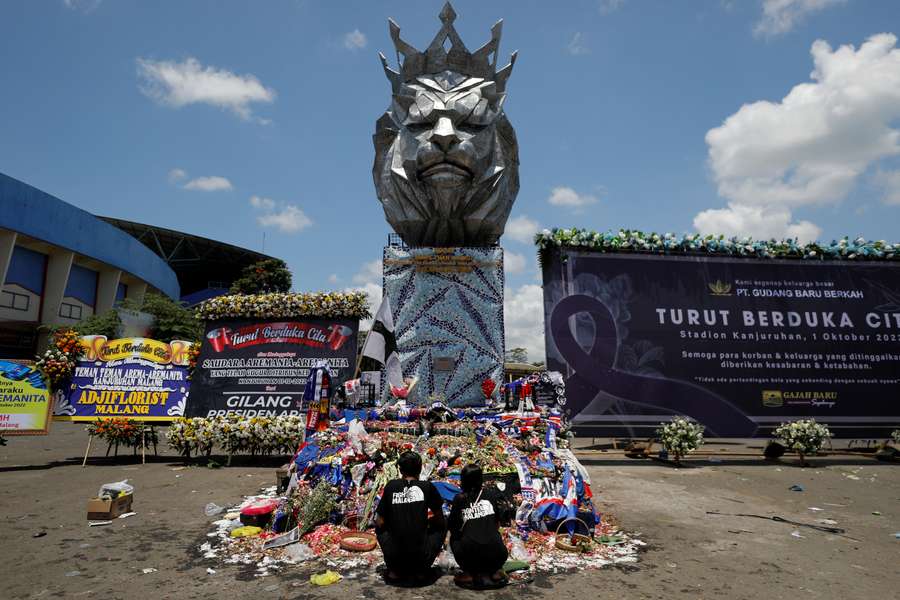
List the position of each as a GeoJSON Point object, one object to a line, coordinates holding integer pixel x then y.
{"type": "Point", "coordinates": [446, 158]}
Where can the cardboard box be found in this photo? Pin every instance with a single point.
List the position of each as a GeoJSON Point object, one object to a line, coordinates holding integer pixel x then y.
{"type": "Point", "coordinates": [99, 509]}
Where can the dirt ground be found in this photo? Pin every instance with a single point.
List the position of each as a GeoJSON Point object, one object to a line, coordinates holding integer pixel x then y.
{"type": "Point", "coordinates": [690, 554]}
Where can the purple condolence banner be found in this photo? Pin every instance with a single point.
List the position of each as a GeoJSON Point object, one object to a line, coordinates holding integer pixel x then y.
{"type": "Point", "coordinates": [740, 345]}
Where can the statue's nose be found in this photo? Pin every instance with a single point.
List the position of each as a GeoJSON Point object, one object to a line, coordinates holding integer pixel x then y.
{"type": "Point", "coordinates": [444, 134]}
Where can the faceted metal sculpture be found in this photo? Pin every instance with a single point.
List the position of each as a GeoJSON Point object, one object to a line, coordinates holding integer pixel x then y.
{"type": "Point", "coordinates": [446, 158]}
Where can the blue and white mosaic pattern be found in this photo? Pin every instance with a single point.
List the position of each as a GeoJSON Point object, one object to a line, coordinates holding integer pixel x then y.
{"type": "Point", "coordinates": [447, 315]}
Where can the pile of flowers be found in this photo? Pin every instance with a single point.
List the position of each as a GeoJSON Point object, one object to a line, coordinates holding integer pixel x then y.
{"type": "Point", "coordinates": [629, 240]}
{"type": "Point", "coordinates": [193, 354]}
{"type": "Point", "coordinates": [895, 435]}
{"type": "Point", "coordinates": [58, 362]}
{"type": "Point", "coordinates": [235, 434]}
{"type": "Point", "coordinates": [803, 437]}
{"type": "Point", "coordinates": [286, 305]}
{"type": "Point", "coordinates": [340, 476]}
{"type": "Point", "coordinates": [680, 436]}
{"type": "Point", "coordinates": [120, 431]}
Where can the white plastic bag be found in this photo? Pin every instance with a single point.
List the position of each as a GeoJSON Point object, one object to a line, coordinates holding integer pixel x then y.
{"type": "Point", "coordinates": [517, 550]}
{"type": "Point", "coordinates": [298, 552]}
{"type": "Point", "coordinates": [446, 561]}
{"type": "Point", "coordinates": [357, 435]}
{"type": "Point", "coordinates": [116, 489]}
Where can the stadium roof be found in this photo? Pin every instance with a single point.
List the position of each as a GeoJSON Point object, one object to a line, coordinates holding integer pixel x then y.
{"type": "Point", "coordinates": [200, 263]}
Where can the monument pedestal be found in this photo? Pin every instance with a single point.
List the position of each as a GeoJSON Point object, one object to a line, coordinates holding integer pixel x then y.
{"type": "Point", "coordinates": [447, 306]}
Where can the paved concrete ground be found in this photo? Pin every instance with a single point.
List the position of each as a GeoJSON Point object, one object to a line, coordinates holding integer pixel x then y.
{"type": "Point", "coordinates": [691, 554]}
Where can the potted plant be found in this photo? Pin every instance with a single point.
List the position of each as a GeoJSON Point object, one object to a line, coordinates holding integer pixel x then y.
{"type": "Point", "coordinates": [803, 437]}
{"type": "Point", "coordinates": [679, 437]}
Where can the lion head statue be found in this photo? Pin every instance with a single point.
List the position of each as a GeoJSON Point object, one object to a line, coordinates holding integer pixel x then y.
{"type": "Point", "coordinates": [446, 159]}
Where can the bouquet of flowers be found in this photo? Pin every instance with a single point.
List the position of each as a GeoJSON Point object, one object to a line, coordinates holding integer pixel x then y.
{"type": "Point", "coordinates": [680, 436]}
{"type": "Point", "coordinates": [117, 430]}
{"type": "Point", "coordinates": [58, 362]}
{"type": "Point", "coordinates": [803, 437]}
{"type": "Point", "coordinates": [193, 353]}
{"type": "Point", "coordinates": [895, 435]}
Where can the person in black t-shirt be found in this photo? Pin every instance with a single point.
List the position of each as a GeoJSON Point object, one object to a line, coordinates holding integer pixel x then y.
{"type": "Point", "coordinates": [409, 540]}
{"type": "Point", "coordinates": [475, 532]}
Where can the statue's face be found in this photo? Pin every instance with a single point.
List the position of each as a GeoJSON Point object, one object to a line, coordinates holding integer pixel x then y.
{"type": "Point", "coordinates": [446, 165]}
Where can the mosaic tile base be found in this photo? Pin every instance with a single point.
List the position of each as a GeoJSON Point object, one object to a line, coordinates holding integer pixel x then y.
{"type": "Point", "coordinates": [447, 306]}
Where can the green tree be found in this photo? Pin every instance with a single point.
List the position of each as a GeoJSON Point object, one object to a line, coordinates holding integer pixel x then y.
{"type": "Point", "coordinates": [516, 355]}
{"type": "Point", "coordinates": [269, 275]}
{"type": "Point", "coordinates": [172, 321]}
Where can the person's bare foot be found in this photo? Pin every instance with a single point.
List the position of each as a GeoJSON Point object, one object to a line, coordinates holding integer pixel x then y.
{"type": "Point", "coordinates": [391, 577]}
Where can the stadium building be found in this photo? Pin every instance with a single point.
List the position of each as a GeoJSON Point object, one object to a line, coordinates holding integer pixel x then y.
{"type": "Point", "coordinates": [60, 264]}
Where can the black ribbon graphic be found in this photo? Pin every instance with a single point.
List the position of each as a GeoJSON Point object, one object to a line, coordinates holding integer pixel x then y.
{"type": "Point", "coordinates": [593, 372]}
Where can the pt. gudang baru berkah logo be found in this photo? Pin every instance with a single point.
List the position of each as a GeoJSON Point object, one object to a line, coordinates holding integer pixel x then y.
{"type": "Point", "coordinates": [720, 288]}
{"type": "Point", "coordinates": [772, 398]}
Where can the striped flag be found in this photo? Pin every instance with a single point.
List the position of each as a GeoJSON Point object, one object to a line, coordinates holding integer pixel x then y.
{"type": "Point", "coordinates": [381, 345]}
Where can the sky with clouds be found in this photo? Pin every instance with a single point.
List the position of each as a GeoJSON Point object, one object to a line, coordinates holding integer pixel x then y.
{"type": "Point", "coordinates": [251, 122]}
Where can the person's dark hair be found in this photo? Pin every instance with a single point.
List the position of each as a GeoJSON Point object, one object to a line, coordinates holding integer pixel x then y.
{"type": "Point", "coordinates": [471, 480]}
{"type": "Point", "coordinates": [410, 464]}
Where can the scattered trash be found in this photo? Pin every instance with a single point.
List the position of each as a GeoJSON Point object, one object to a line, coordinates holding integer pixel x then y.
{"type": "Point", "coordinates": [212, 509]}
{"type": "Point", "coordinates": [181, 468]}
{"type": "Point", "coordinates": [210, 571]}
{"type": "Point", "coordinates": [853, 477]}
{"type": "Point", "coordinates": [897, 535]}
{"type": "Point", "coordinates": [116, 489]}
{"type": "Point", "coordinates": [815, 508]}
{"type": "Point", "coordinates": [827, 521]}
{"type": "Point", "coordinates": [777, 519]}
{"type": "Point", "coordinates": [298, 552]}
{"type": "Point", "coordinates": [877, 513]}
{"type": "Point", "coordinates": [797, 488]}
{"type": "Point", "coordinates": [671, 565]}
{"type": "Point", "coordinates": [283, 540]}
{"type": "Point", "coordinates": [245, 531]}
{"type": "Point", "coordinates": [38, 534]}
{"type": "Point", "coordinates": [98, 523]}
{"type": "Point", "coordinates": [73, 573]}
{"type": "Point", "coordinates": [126, 515]}
{"type": "Point", "coordinates": [84, 545]}
{"type": "Point", "coordinates": [327, 578]}
{"type": "Point", "coordinates": [796, 534]}
{"type": "Point", "coordinates": [838, 505]}
{"type": "Point", "coordinates": [148, 570]}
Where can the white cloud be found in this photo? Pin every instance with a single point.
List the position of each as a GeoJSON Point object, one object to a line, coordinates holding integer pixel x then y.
{"type": "Point", "coordinates": [287, 218]}
{"type": "Point", "coordinates": [577, 45]}
{"type": "Point", "coordinates": [176, 175]}
{"type": "Point", "coordinates": [262, 203]}
{"type": "Point", "coordinates": [213, 183]}
{"type": "Point", "coordinates": [370, 271]}
{"type": "Point", "coordinates": [333, 278]}
{"type": "Point", "coordinates": [514, 263]}
{"type": "Point", "coordinates": [179, 84]}
{"type": "Point", "coordinates": [85, 6]}
{"type": "Point", "coordinates": [523, 314]}
{"type": "Point", "coordinates": [890, 183]}
{"type": "Point", "coordinates": [755, 221]}
{"type": "Point", "coordinates": [569, 198]}
{"type": "Point", "coordinates": [609, 6]}
{"type": "Point", "coordinates": [781, 16]}
{"type": "Point", "coordinates": [810, 148]}
{"type": "Point", "coordinates": [521, 229]}
{"type": "Point", "coordinates": [368, 280]}
{"type": "Point", "coordinates": [354, 40]}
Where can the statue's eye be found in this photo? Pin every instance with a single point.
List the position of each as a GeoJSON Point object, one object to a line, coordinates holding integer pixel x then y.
{"type": "Point", "coordinates": [472, 128]}
{"type": "Point", "coordinates": [417, 128]}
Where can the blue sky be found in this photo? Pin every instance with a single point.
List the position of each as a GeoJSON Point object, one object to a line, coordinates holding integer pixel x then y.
{"type": "Point", "coordinates": [235, 120]}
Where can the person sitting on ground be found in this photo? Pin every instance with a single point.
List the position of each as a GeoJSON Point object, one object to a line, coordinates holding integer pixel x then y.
{"type": "Point", "coordinates": [475, 532]}
{"type": "Point", "coordinates": [409, 540]}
